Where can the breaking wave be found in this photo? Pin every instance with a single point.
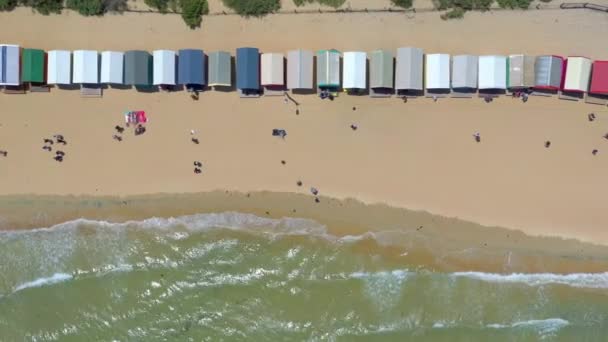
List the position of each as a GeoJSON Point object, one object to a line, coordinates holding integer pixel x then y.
{"type": "Point", "coordinates": [582, 280]}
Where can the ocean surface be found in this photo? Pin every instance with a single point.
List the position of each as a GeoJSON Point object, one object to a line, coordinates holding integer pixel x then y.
{"type": "Point", "coordinates": [239, 277]}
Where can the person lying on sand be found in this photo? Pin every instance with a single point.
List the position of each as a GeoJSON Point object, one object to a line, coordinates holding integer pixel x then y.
{"type": "Point", "coordinates": [606, 136]}
{"type": "Point", "coordinates": [195, 140]}
{"type": "Point", "coordinates": [3, 153]}
{"type": "Point", "coordinates": [314, 191]}
{"type": "Point", "coordinates": [197, 170]}
{"type": "Point", "coordinates": [48, 141]}
{"type": "Point", "coordinates": [198, 164]}
{"type": "Point", "coordinates": [591, 117]}
{"type": "Point", "coordinates": [353, 127]}
{"type": "Point", "coordinates": [594, 152]}
{"type": "Point", "coordinates": [47, 148]}
{"type": "Point", "coordinates": [119, 129]}
{"type": "Point", "coordinates": [477, 137]}
{"type": "Point", "coordinates": [116, 137]}
{"type": "Point", "coordinates": [60, 153]}
{"type": "Point", "coordinates": [58, 158]}
{"type": "Point", "coordinates": [547, 144]}
{"type": "Point", "coordinates": [61, 141]}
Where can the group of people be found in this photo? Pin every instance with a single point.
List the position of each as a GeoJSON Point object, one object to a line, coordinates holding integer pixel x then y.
{"type": "Point", "coordinates": [139, 130]}
{"type": "Point", "coordinates": [48, 146]}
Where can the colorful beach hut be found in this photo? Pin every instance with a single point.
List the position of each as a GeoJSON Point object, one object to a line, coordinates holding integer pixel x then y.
{"type": "Point", "coordinates": [112, 67]}
{"type": "Point", "coordinates": [492, 73]}
{"type": "Point", "coordinates": [299, 69]}
{"type": "Point", "coordinates": [86, 67]}
{"type": "Point", "coordinates": [248, 71]}
{"type": "Point", "coordinates": [33, 63]}
{"type": "Point", "coordinates": [328, 70]}
{"type": "Point", "coordinates": [273, 73]}
{"type": "Point", "coordinates": [464, 73]}
{"type": "Point", "coordinates": [521, 72]}
{"type": "Point", "coordinates": [354, 71]}
{"type": "Point", "coordinates": [409, 70]}
{"type": "Point", "coordinates": [578, 73]}
{"type": "Point", "coordinates": [191, 68]}
{"type": "Point", "coordinates": [548, 72]}
{"type": "Point", "coordinates": [381, 68]}
{"type": "Point", "coordinates": [220, 69]}
{"type": "Point", "coordinates": [599, 78]}
{"type": "Point", "coordinates": [59, 67]}
{"type": "Point", "coordinates": [437, 76]}
{"type": "Point", "coordinates": [9, 65]}
{"type": "Point", "coordinates": [165, 66]}
{"type": "Point", "coordinates": [138, 68]}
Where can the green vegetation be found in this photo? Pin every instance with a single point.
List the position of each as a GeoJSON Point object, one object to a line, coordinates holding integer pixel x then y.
{"type": "Point", "coordinates": [86, 7]}
{"type": "Point", "coordinates": [402, 3]}
{"type": "Point", "coordinates": [512, 4]}
{"type": "Point", "coordinates": [330, 3]}
{"type": "Point", "coordinates": [466, 5]}
{"type": "Point", "coordinates": [160, 5]}
{"type": "Point", "coordinates": [7, 5]}
{"type": "Point", "coordinates": [454, 13]}
{"type": "Point", "coordinates": [256, 8]}
{"type": "Point", "coordinates": [44, 6]}
{"type": "Point", "coordinates": [192, 11]}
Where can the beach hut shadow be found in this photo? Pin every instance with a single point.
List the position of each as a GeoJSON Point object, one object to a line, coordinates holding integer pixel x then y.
{"type": "Point", "coordinates": [68, 86]}
{"type": "Point", "coordinates": [146, 89]}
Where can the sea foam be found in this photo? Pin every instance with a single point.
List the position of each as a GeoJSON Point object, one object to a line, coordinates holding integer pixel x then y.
{"type": "Point", "coordinates": [44, 281]}
{"type": "Point", "coordinates": [582, 280]}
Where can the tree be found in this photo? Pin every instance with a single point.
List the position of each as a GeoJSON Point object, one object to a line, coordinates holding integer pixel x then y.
{"type": "Point", "coordinates": [7, 5]}
{"type": "Point", "coordinates": [192, 11]}
{"type": "Point", "coordinates": [402, 3]}
{"type": "Point", "coordinates": [45, 7]}
{"type": "Point", "coordinates": [160, 5]}
{"type": "Point", "coordinates": [86, 7]}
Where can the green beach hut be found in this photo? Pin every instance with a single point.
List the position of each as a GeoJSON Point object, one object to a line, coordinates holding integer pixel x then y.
{"type": "Point", "coordinates": [32, 66]}
{"type": "Point", "coordinates": [328, 69]}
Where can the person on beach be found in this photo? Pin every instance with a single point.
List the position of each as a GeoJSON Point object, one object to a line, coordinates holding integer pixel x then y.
{"type": "Point", "coordinates": [119, 129]}
{"type": "Point", "coordinates": [547, 144]}
{"type": "Point", "coordinates": [594, 152]}
{"type": "Point", "coordinates": [47, 148]}
{"type": "Point", "coordinates": [60, 153]}
{"type": "Point", "coordinates": [195, 140]}
{"type": "Point", "coordinates": [606, 136]}
{"type": "Point", "coordinates": [591, 117]}
{"type": "Point", "coordinates": [314, 191]}
{"type": "Point", "coordinates": [353, 127]}
{"type": "Point", "coordinates": [198, 164]}
{"type": "Point", "coordinates": [48, 141]}
{"type": "Point", "coordinates": [116, 137]}
{"type": "Point", "coordinates": [3, 153]}
{"type": "Point", "coordinates": [197, 170]}
{"type": "Point", "coordinates": [58, 158]}
{"type": "Point", "coordinates": [477, 137]}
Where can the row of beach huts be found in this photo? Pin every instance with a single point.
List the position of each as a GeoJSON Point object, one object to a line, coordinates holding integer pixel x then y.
{"type": "Point", "coordinates": [382, 73]}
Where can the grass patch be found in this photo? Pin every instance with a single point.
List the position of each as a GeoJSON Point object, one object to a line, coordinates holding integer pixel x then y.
{"type": "Point", "coordinates": [330, 3]}
{"type": "Point", "coordinates": [512, 4]}
{"type": "Point", "coordinates": [402, 3]}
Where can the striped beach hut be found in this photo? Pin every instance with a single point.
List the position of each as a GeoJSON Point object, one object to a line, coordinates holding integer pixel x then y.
{"type": "Point", "coordinates": [248, 71]}
{"type": "Point", "coordinates": [299, 69]}
{"type": "Point", "coordinates": [381, 68]}
{"type": "Point", "coordinates": [9, 65]}
{"type": "Point", "coordinates": [220, 69]}
{"type": "Point", "coordinates": [464, 73]}
{"type": "Point", "coordinates": [33, 64]}
{"type": "Point", "coordinates": [409, 71]}
{"type": "Point", "coordinates": [578, 73]}
{"type": "Point", "coordinates": [328, 69]}
{"type": "Point", "coordinates": [191, 68]}
{"type": "Point", "coordinates": [138, 68]}
{"type": "Point", "coordinates": [59, 67]}
{"type": "Point", "coordinates": [112, 67]}
{"type": "Point", "coordinates": [354, 71]}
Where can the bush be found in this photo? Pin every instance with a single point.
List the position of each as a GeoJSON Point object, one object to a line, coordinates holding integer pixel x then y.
{"type": "Point", "coordinates": [160, 5]}
{"type": "Point", "coordinates": [523, 4]}
{"type": "Point", "coordinates": [330, 3]}
{"type": "Point", "coordinates": [192, 11]}
{"type": "Point", "coordinates": [255, 8]}
{"type": "Point", "coordinates": [86, 7]}
{"type": "Point", "coordinates": [402, 3]}
{"type": "Point", "coordinates": [114, 5]}
{"type": "Point", "coordinates": [45, 7]}
{"type": "Point", "coordinates": [455, 13]}
{"type": "Point", "coordinates": [465, 5]}
{"type": "Point", "coordinates": [7, 5]}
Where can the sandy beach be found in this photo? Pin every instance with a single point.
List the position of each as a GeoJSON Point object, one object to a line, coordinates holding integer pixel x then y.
{"type": "Point", "coordinates": [418, 155]}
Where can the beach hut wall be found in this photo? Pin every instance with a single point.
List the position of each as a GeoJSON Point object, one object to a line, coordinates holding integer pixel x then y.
{"type": "Point", "coordinates": [86, 67]}
{"type": "Point", "coordinates": [381, 67]}
{"type": "Point", "coordinates": [32, 65]}
{"type": "Point", "coordinates": [578, 72]}
{"type": "Point", "coordinates": [9, 65]}
{"type": "Point", "coordinates": [220, 69]}
{"type": "Point", "coordinates": [464, 71]}
{"type": "Point", "coordinates": [112, 67]}
{"type": "Point", "coordinates": [548, 72]}
{"type": "Point", "coordinates": [165, 67]}
{"type": "Point", "coordinates": [299, 69]}
{"type": "Point", "coordinates": [437, 71]}
{"type": "Point", "coordinates": [138, 68]}
{"type": "Point", "coordinates": [273, 69]}
{"type": "Point", "coordinates": [191, 67]}
{"type": "Point", "coordinates": [409, 69]}
{"type": "Point", "coordinates": [248, 68]}
{"type": "Point", "coordinates": [59, 67]}
{"type": "Point", "coordinates": [354, 70]}
{"type": "Point", "coordinates": [492, 72]}
{"type": "Point", "coordinates": [599, 78]}
{"type": "Point", "coordinates": [328, 68]}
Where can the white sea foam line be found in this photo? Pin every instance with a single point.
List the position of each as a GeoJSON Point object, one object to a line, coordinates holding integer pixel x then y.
{"type": "Point", "coordinates": [582, 280]}
{"type": "Point", "coordinates": [44, 281]}
{"type": "Point", "coordinates": [543, 326]}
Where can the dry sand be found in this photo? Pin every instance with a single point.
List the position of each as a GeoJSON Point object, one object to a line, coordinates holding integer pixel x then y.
{"type": "Point", "coordinates": [418, 155]}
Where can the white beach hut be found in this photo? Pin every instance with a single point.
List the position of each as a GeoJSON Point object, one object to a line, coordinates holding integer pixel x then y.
{"type": "Point", "coordinates": [59, 67]}
{"type": "Point", "coordinates": [492, 72]}
{"type": "Point", "coordinates": [354, 70]}
{"type": "Point", "coordinates": [164, 67]}
{"type": "Point", "coordinates": [9, 65]}
{"type": "Point", "coordinates": [86, 67]}
{"type": "Point", "coordinates": [437, 71]}
{"type": "Point", "coordinates": [273, 70]}
{"type": "Point", "coordinates": [112, 67]}
{"type": "Point", "coordinates": [299, 69]}
{"type": "Point", "coordinates": [578, 74]}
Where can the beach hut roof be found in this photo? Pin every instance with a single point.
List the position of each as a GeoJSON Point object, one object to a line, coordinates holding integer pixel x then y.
{"type": "Point", "coordinates": [273, 69]}
{"type": "Point", "coordinates": [164, 67]}
{"type": "Point", "coordinates": [59, 67]}
{"type": "Point", "coordinates": [9, 65]}
{"type": "Point", "coordinates": [409, 68]}
{"type": "Point", "coordinates": [32, 65]}
{"type": "Point", "coordinates": [578, 72]}
{"type": "Point", "coordinates": [328, 68]}
{"type": "Point", "coordinates": [85, 69]}
{"type": "Point", "coordinates": [112, 67]}
{"type": "Point", "coordinates": [492, 72]}
{"type": "Point", "coordinates": [521, 71]}
{"type": "Point", "coordinates": [548, 72]}
{"type": "Point", "coordinates": [438, 71]}
{"type": "Point", "coordinates": [138, 68]}
{"type": "Point", "coordinates": [354, 73]}
{"type": "Point", "coordinates": [220, 69]}
{"type": "Point", "coordinates": [381, 69]}
{"type": "Point", "coordinates": [464, 71]}
{"type": "Point", "coordinates": [599, 79]}
{"type": "Point", "coordinates": [191, 67]}
{"type": "Point", "coordinates": [247, 68]}
{"type": "Point", "coordinates": [299, 69]}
